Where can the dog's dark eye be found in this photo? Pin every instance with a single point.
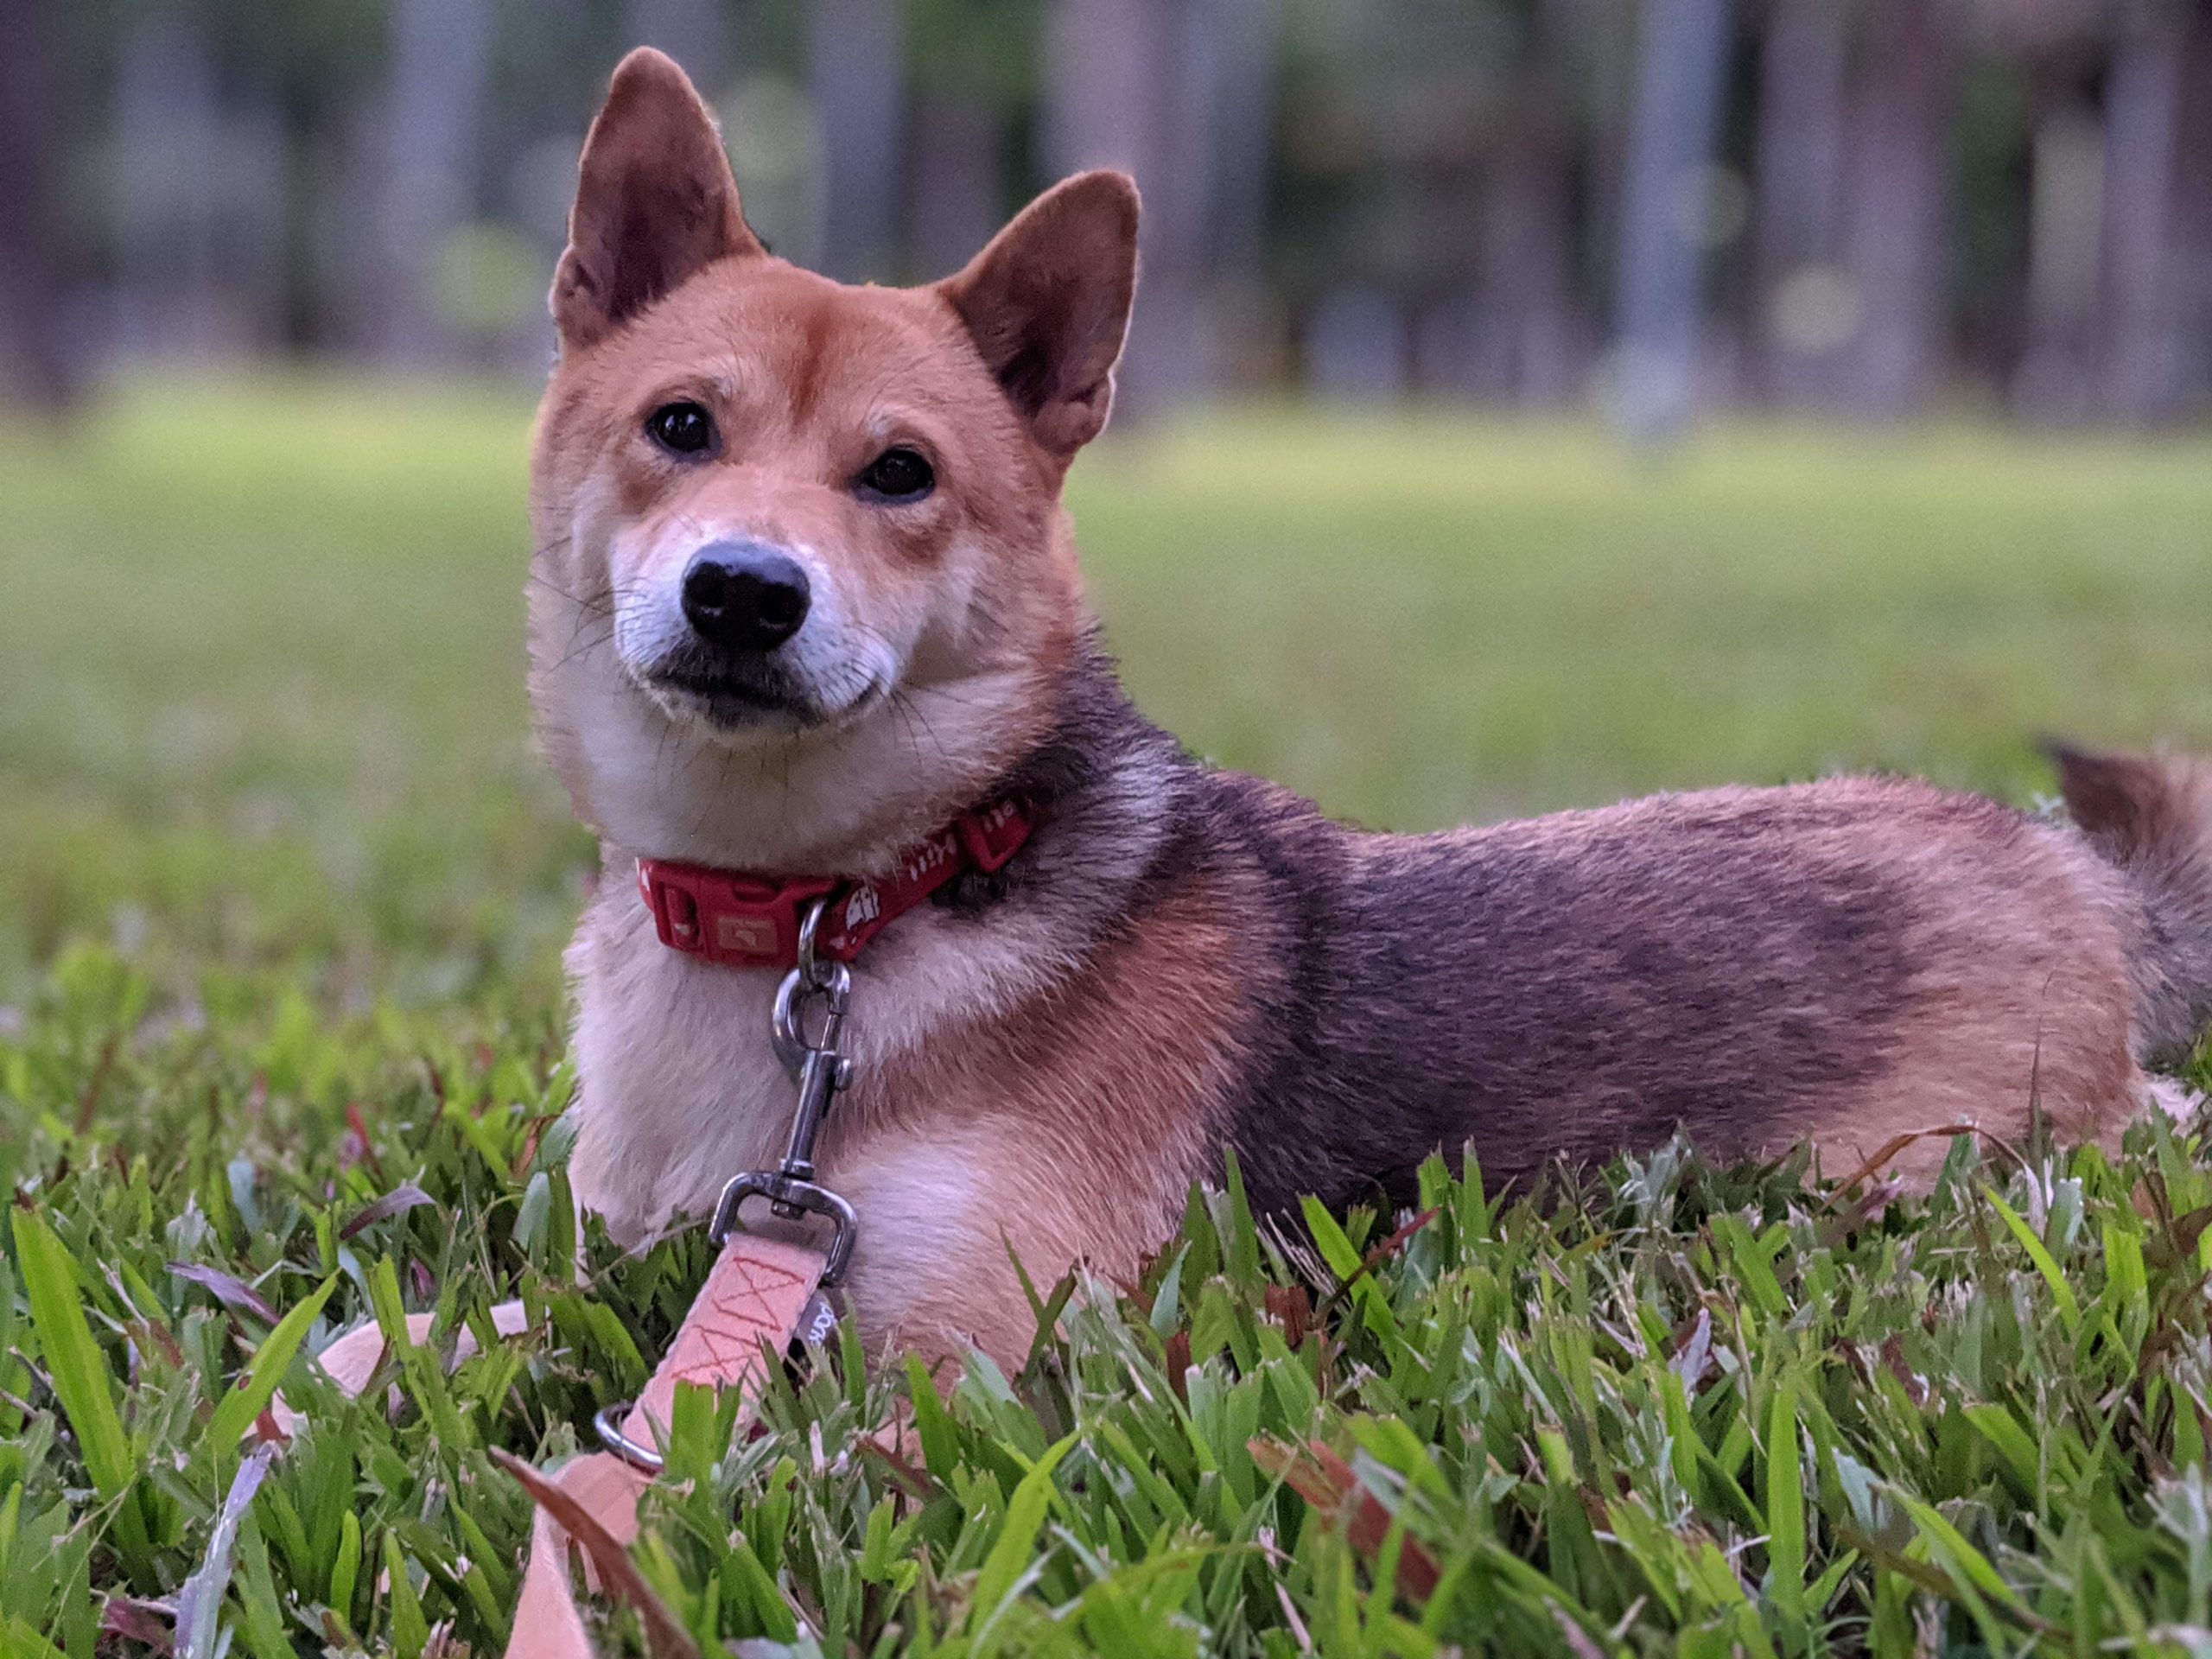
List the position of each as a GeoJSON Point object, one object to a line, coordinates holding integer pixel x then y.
{"type": "Point", "coordinates": [681, 428]}
{"type": "Point", "coordinates": [897, 475]}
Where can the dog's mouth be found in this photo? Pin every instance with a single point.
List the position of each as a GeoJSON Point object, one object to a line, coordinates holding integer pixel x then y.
{"type": "Point", "coordinates": [731, 699]}
{"type": "Point", "coordinates": [747, 694]}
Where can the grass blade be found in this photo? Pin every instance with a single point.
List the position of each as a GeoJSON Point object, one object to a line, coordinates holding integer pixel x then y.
{"type": "Point", "coordinates": [2069, 1307]}
{"type": "Point", "coordinates": [199, 1604]}
{"type": "Point", "coordinates": [1785, 1507]}
{"type": "Point", "coordinates": [81, 1379]}
{"type": "Point", "coordinates": [1009, 1561]}
{"type": "Point", "coordinates": [250, 1394]}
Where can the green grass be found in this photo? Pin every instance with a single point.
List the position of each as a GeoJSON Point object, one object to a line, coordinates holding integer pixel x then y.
{"type": "Point", "coordinates": [282, 891]}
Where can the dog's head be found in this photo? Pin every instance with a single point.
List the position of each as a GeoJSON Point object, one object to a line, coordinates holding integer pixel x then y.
{"type": "Point", "coordinates": [802, 579]}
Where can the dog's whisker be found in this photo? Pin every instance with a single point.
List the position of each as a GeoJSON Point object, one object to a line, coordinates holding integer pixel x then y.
{"type": "Point", "coordinates": [582, 647]}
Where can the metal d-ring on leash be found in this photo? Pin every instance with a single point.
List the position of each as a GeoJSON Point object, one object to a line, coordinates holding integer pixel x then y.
{"type": "Point", "coordinates": [820, 1069]}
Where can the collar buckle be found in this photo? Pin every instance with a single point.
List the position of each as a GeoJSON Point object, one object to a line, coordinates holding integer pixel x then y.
{"type": "Point", "coordinates": [822, 1069]}
{"type": "Point", "coordinates": [789, 1196]}
{"type": "Point", "coordinates": [733, 920]}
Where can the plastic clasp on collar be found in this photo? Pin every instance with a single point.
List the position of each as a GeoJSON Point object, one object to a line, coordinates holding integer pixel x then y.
{"type": "Point", "coordinates": [735, 920]}
{"type": "Point", "coordinates": [789, 1196]}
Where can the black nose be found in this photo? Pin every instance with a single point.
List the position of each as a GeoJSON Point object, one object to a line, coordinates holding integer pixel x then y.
{"type": "Point", "coordinates": [742, 596]}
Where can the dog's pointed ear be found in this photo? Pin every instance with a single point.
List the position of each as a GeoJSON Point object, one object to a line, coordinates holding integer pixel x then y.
{"type": "Point", "coordinates": [655, 201]}
{"type": "Point", "coordinates": [1047, 305]}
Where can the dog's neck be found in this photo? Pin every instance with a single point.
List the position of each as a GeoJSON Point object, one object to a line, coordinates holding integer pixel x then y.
{"type": "Point", "coordinates": [1096, 781]}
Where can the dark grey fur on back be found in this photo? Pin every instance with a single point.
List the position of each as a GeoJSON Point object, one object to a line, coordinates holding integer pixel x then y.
{"type": "Point", "coordinates": [1542, 996]}
{"type": "Point", "coordinates": [1733, 964]}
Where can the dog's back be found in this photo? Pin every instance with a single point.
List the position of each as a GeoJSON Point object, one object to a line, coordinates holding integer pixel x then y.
{"type": "Point", "coordinates": [1842, 962]}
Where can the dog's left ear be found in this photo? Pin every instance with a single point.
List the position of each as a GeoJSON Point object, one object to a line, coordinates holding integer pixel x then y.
{"type": "Point", "coordinates": [1047, 305]}
{"type": "Point", "coordinates": [655, 201]}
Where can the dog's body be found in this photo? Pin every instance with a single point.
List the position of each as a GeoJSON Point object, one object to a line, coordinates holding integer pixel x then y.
{"type": "Point", "coordinates": [1181, 961]}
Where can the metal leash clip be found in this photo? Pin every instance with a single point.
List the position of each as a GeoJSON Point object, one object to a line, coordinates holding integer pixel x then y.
{"type": "Point", "coordinates": [606, 1423]}
{"type": "Point", "coordinates": [820, 1069]}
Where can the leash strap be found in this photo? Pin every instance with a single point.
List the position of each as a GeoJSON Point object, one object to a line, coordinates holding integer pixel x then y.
{"type": "Point", "coordinates": [755, 1298]}
{"type": "Point", "coordinates": [744, 1317]}
{"type": "Point", "coordinates": [753, 1302]}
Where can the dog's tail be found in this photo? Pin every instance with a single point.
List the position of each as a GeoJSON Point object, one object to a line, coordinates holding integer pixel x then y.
{"type": "Point", "coordinates": [2151, 815]}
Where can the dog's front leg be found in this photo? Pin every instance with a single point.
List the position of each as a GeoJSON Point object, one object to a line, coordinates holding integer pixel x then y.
{"type": "Point", "coordinates": [944, 1217]}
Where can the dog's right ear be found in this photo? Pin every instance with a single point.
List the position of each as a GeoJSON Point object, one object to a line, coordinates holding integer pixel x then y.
{"type": "Point", "coordinates": [655, 201]}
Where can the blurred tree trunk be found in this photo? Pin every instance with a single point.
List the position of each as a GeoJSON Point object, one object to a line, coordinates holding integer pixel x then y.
{"type": "Point", "coordinates": [164, 163]}
{"type": "Point", "coordinates": [696, 33]}
{"type": "Point", "coordinates": [1799, 312]}
{"type": "Point", "coordinates": [2055, 377]}
{"type": "Point", "coordinates": [1192, 49]}
{"type": "Point", "coordinates": [2191, 227]}
{"type": "Point", "coordinates": [1898, 176]}
{"type": "Point", "coordinates": [1608, 44]}
{"type": "Point", "coordinates": [854, 63]}
{"type": "Point", "coordinates": [2144, 351]}
{"type": "Point", "coordinates": [1240, 107]}
{"type": "Point", "coordinates": [441, 62]}
{"type": "Point", "coordinates": [1108, 93]}
{"type": "Point", "coordinates": [39, 108]}
{"type": "Point", "coordinates": [1100, 81]}
{"type": "Point", "coordinates": [1681, 48]}
{"type": "Point", "coordinates": [1526, 340]}
{"type": "Point", "coordinates": [1530, 346]}
{"type": "Point", "coordinates": [956, 145]}
{"type": "Point", "coordinates": [1179, 93]}
{"type": "Point", "coordinates": [198, 200]}
{"type": "Point", "coordinates": [1220, 133]}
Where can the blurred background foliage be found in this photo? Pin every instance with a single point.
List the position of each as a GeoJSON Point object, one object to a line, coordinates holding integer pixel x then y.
{"type": "Point", "coordinates": [1664, 205]}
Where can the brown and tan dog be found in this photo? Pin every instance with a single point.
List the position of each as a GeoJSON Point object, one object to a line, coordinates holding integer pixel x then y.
{"type": "Point", "coordinates": [805, 594]}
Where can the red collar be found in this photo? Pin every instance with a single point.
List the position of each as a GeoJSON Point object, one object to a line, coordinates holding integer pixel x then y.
{"type": "Point", "coordinates": [752, 921]}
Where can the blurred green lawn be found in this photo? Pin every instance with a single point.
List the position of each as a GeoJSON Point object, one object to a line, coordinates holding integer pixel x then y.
{"type": "Point", "coordinates": [261, 657]}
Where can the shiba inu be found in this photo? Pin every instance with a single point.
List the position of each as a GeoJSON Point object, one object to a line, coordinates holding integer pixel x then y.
{"type": "Point", "coordinates": [807, 625]}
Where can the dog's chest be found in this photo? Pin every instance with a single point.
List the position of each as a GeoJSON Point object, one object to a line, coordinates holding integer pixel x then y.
{"type": "Point", "coordinates": [680, 1085]}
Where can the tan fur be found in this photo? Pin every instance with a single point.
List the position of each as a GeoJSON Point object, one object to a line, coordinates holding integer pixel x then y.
{"type": "Point", "coordinates": [1073, 1131]}
{"type": "Point", "coordinates": [614, 520]}
{"type": "Point", "coordinates": [953, 619]}
{"type": "Point", "coordinates": [2026, 1004]}
{"type": "Point", "coordinates": [2021, 996]}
